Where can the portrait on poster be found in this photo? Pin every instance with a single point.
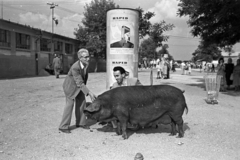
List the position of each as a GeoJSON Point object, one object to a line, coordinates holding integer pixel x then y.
{"type": "Point", "coordinates": [122, 34]}
{"type": "Point", "coordinates": [124, 38]}
{"type": "Point", "coordinates": [123, 63]}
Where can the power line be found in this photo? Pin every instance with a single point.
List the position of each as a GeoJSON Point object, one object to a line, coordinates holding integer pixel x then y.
{"type": "Point", "coordinates": [183, 45]}
{"type": "Point", "coordinates": [184, 37]}
{"type": "Point", "coordinates": [13, 2]}
{"type": "Point", "coordinates": [15, 8]}
{"type": "Point", "coordinates": [67, 10]}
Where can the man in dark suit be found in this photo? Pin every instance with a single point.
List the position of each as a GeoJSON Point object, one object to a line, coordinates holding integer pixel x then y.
{"type": "Point", "coordinates": [56, 65]}
{"type": "Point", "coordinates": [75, 89]}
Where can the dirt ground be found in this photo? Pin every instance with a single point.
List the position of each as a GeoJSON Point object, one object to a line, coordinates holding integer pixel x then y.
{"type": "Point", "coordinates": [31, 110]}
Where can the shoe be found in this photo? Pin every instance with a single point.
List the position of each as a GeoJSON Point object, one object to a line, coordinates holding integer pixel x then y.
{"type": "Point", "coordinates": [65, 130]}
{"type": "Point", "coordinates": [83, 126]}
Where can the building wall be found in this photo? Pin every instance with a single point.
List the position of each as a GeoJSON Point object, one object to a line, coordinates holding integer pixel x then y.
{"type": "Point", "coordinates": [18, 65]}
{"type": "Point", "coordinates": [16, 62]}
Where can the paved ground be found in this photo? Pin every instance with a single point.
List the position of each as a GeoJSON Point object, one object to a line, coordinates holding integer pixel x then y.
{"type": "Point", "coordinates": [31, 110]}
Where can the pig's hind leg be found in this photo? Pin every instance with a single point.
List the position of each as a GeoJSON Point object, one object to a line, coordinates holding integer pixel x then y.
{"type": "Point", "coordinates": [180, 128]}
{"type": "Point", "coordinates": [173, 129]}
{"type": "Point", "coordinates": [118, 129]}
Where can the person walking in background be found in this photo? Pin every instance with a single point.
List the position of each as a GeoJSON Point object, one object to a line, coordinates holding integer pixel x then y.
{"type": "Point", "coordinates": [56, 65]}
{"type": "Point", "coordinates": [221, 72]}
{"type": "Point", "coordinates": [165, 67]}
{"type": "Point", "coordinates": [173, 66]}
{"type": "Point", "coordinates": [183, 67]}
{"type": "Point", "coordinates": [154, 63]}
{"type": "Point", "coordinates": [145, 62]}
{"type": "Point", "coordinates": [236, 76]}
{"type": "Point", "coordinates": [200, 67]}
{"type": "Point", "coordinates": [159, 74]}
{"type": "Point", "coordinates": [229, 70]}
{"type": "Point", "coordinates": [75, 90]}
{"type": "Point", "coordinates": [213, 67]}
{"type": "Point", "coordinates": [189, 68]}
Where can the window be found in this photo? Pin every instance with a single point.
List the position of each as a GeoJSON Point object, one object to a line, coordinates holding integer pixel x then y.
{"type": "Point", "coordinates": [45, 44]}
{"type": "Point", "coordinates": [58, 46]}
{"type": "Point", "coordinates": [22, 41]}
{"type": "Point", "coordinates": [68, 48]}
{"type": "Point", "coordinates": [4, 38]}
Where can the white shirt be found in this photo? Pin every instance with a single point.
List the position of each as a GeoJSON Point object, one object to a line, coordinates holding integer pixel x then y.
{"type": "Point", "coordinates": [82, 66]}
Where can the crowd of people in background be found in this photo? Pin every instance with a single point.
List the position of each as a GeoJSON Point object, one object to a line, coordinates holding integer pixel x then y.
{"type": "Point", "coordinates": [230, 74]}
{"type": "Point", "coordinates": [186, 68]}
{"type": "Point", "coordinates": [162, 64]}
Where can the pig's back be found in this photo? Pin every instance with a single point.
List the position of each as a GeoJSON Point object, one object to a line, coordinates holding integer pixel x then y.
{"type": "Point", "coordinates": [144, 94]}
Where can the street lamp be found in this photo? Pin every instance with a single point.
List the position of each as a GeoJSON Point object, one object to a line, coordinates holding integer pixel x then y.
{"type": "Point", "coordinates": [52, 6]}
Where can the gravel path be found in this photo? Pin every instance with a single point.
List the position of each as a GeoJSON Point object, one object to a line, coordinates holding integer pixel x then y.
{"type": "Point", "coordinates": [31, 110]}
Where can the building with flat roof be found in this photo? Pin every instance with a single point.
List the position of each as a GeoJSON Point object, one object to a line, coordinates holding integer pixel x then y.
{"type": "Point", "coordinates": [26, 51]}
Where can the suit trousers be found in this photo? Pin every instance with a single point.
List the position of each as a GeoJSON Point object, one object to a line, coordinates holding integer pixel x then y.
{"type": "Point", "coordinates": [80, 104]}
{"type": "Point", "coordinates": [57, 71]}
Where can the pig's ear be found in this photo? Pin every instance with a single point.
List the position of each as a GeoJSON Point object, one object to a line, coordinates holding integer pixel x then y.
{"type": "Point", "coordinates": [96, 107]}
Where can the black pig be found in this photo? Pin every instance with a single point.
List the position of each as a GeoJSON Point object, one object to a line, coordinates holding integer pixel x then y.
{"type": "Point", "coordinates": [140, 105]}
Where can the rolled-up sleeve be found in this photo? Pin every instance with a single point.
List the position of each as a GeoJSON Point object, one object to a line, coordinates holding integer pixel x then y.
{"type": "Point", "coordinates": [79, 80]}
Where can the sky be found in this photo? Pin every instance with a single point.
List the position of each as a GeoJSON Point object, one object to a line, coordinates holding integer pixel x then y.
{"type": "Point", "coordinates": [37, 13]}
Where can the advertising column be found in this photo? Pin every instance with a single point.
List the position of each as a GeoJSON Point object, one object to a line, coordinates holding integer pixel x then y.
{"type": "Point", "coordinates": [122, 42]}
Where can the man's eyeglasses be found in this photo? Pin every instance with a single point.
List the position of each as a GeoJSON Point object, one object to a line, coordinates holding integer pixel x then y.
{"type": "Point", "coordinates": [86, 57]}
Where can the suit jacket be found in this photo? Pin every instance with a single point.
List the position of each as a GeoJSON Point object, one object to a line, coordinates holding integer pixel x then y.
{"type": "Point", "coordinates": [56, 62]}
{"type": "Point", "coordinates": [130, 82]}
{"type": "Point", "coordinates": [75, 81]}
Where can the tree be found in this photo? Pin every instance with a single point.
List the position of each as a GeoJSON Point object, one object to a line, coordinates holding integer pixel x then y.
{"type": "Point", "coordinates": [92, 34]}
{"type": "Point", "coordinates": [209, 53]}
{"type": "Point", "coordinates": [157, 30]}
{"type": "Point", "coordinates": [156, 37]}
{"type": "Point", "coordinates": [144, 22]}
{"type": "Point", "coordinates": [148, 48]}
{"type": "Point", "coordinates": [215, 21]}
{"type": "Point", "coordinates": [163, 51]}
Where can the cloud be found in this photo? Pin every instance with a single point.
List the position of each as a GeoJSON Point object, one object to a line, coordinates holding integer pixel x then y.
{"type": "Point", "coordinates": [83, 1]}
{"type": "Point", "coordinates": [69, 23]}
{"type": "Point", "coordinates": [165, 10]}
{"type": "Point", "coordinates": [65, 25]}
{"type": "Point", "coordinates": [35, 20]}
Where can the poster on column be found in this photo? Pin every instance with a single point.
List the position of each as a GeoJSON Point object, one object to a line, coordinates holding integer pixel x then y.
{"type": "Point", "coordinates": [123, 63]}
{"type": "Point", "coordinates": [122, 33]}
{"type": "Point", "coordinates": [122, 42]}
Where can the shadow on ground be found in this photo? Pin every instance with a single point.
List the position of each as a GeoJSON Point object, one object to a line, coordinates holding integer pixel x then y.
{"type": "Point", "coordinates": [89, 122]}
{"type": "Point", "coordinates": [149, 130]}
{"type": "Point", "coordinates": [232, 93]}
{"type": "Point", "coordinates": [200, 83]}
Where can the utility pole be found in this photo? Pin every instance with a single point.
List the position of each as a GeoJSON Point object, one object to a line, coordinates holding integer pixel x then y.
{"type": "Point", "coordinates": [2, 9]}
{"type": "Point", "coordinates": [52, 6]}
